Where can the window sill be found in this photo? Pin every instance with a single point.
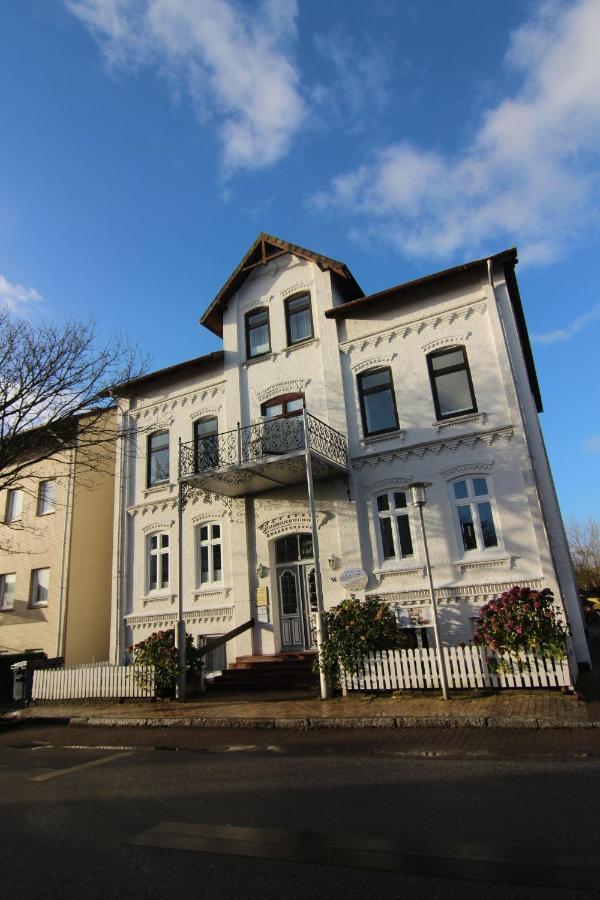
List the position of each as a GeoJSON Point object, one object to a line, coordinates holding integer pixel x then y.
{"type": "Point", "coordinates": [159, 598]}
{"type": "Point", "coordinates": [4, 609]}
{"type": "Point", "coordinates": [211, 590]}
{"type": "Point", "coordinates": [398, 434]}
{"type": "Point", "coordinates": [38, 605]}
{"type": "Point", "coordinates": [43, 515]}
{"type": "Point", "coordinates": [399, 569]}
{"type": "Point", "coordinates": [252, 360]}
{"type": "Point", "coordinates": [157, 488]}
{"type": "Point", "coordinates": [482, 561]}
{"type": "Point", "coordinates": [456, 421]}
{"type": "Point", "coordinates": [292, 347]}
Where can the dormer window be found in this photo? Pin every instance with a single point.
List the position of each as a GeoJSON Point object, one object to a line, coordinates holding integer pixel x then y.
{"type": "Point", "coordinates": [298, 319]}
{"type": "Point", "coordinates": [258, 335]}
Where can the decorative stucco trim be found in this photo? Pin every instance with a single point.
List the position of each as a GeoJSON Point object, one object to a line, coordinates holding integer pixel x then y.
{"type": "Point", "coordinates": [398, 435]}
{"type": "Point", "coordinates": [449, 341]}
{"type": "Point", "coordinates": [387, 484]}
{"type": "Point", "coordinates": [461, 421]}
{"type": "Point", "coordinates": [290, 523]}
{"type": "Point", "coordinates": [292, 386]}
{"type": "Point", "coordinates": [159, 598]}
{"type": "Point", "coordinates": [265, 300]}
{"type": "Point", "coordinates": [191, 395]}
{"type": "Point", "coordinates": [212, 594]}
{"type": "Point", "coordinates": [374, 362]}
{"type": "Point", "coordinates": [435, 447]}
{"type": "Point", "coordinates": [297, 288]}
{"type": "Point", "coordinates": [209, 515]}
{"type": "Point", "coordinates": [142, 509]}
{"type": "Point", "coordinates": [467, 468]}
{"type": "Point", "coordinates": [389, 574]}
{"type": "Point", "coordinates": [415, 326]}
{"type": "Point", "coordinates": [498, 562]}
{"type": "Point", "coordinates": [158, 526]}
{"type": "Point", "coordinates": [156, 620]}
{"type": "Point", "coordinates": [206, 411]}
{"type": "Point", "coordinates": [477, 593]}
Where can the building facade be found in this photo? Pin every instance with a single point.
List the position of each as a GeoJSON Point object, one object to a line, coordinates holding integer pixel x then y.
{"type": "Point", "coordinates": [428, 381]}
{"type": "Point", "coordinates": [56, 555]}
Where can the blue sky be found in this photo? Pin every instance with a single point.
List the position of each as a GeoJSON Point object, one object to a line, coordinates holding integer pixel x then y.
{"type": "Point", "coordinates": [145, 143]}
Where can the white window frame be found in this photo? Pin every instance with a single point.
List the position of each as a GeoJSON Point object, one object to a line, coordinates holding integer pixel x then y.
{"type": "Point", "coordinates": [4, 606]}
{"type": "Point", "coordinates": [472, 500]}
{"type": "Point", "coordinates": [160, 552]}
{"type": "Point", "coordinates": [37, 587]}
{"type": "Point", "coordinates": [393, 513]}
{"type": "Point", "coordinates": [46, 505]}
{"type": "Point", "coordinates": [211, 541]}
{"type": "Point", "coordinates": [11, 496]}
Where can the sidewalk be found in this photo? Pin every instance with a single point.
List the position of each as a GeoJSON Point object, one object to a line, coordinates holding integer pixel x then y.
{"type": "Point", "coordinates": [508, 709]}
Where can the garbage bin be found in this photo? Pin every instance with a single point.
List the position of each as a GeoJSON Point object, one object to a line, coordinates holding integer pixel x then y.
{"type": "Point", "coordinates": [19, 670]}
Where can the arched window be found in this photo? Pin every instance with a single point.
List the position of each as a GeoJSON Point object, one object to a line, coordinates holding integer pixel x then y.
{"type": "Point", "coordinates": [158, 561]}
{"type": "Point", "coordinates": [206, 443]}
{"type": "Point", "coordinates": [208, 553]}
{"type": "Point", "coordinates": [473, 501]}
{"type": "Point", "coordinates": [394, 525]}
{"type": "Point", "coordinates": [451, 383]}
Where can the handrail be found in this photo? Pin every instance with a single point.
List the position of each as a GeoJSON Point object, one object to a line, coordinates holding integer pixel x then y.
{"type": "Point", "coordinates": [213, 643]}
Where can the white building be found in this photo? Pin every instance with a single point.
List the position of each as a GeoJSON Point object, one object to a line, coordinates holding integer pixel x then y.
{"type": "Point", "coordinates": [431, 381]}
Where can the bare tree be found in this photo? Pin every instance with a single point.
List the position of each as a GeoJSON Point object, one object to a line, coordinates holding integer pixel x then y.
{"type": "Point", "coordinates": [54, 393]}
{"type": "Point", "coordinates": [584, 544]}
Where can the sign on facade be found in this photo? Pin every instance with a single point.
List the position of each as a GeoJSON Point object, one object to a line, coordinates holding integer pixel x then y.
{"type": "Point", "coordinates": [354, 580]}
{"type": "Point", "coordinates": [413, 616]}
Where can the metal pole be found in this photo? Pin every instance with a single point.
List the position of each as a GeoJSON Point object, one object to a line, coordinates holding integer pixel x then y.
{"type": "Point", "coordinates": [436, 630]}
{"type": "Point", "coordinates": [315, 542]}
{"type": "Point", "coordinates": [180, 630]}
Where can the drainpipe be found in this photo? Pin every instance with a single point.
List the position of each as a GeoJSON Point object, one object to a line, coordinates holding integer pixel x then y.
{"type": "Point", "coordinates": [315, 541]}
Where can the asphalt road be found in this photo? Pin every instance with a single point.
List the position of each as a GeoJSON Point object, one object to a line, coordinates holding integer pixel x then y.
{"type": "Point", "coordinates": [313, 815]}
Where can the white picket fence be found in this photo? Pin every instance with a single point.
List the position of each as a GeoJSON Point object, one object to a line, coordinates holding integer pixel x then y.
{"type": "Point", "coordinates": [466, 667]}
{"type": "Point", "coordinates": [93, 682]}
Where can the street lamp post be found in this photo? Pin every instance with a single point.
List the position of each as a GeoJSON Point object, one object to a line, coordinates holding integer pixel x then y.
{"type": "Point", "coordinates": [419, 499]}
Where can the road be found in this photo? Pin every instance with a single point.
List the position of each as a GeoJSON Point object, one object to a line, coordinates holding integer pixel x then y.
{"type": "Point", "coordinates": [339, 814]}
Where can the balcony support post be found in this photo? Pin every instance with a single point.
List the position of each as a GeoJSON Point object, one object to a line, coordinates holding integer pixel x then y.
{"type": "Point", "coordinates": [315, 543]}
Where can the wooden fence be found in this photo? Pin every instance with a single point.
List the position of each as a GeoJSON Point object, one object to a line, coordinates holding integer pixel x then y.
{"type": "Point", "coordinates": [466, 667]}
{"type": "Point", "coordinates": [93, 682]}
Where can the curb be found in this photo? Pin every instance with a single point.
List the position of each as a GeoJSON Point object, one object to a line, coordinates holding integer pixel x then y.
{"type": "Point", "coordinates": [321, 723]}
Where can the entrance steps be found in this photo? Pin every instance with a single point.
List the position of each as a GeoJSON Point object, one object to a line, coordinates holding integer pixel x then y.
{"type": "Point", "coordinates": [280, 672]}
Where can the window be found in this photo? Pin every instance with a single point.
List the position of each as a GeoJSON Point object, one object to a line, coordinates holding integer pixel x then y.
{"type": "Point", "coordinates": [475, 516]}
{"type": "Point", "coordinates": [40, 581]}
{"type": "Point", "coordinates": [451, 382]}
{"type": "Point", "coordinates": [394, 526]}
{"type": "Point", "coordinates": [158, 561]}
{"type": "Point", "coordinates": [258, 337]}
{"type": "Point", "coordinates": [286, 405]}
{"type": "Point", "coordinates": [206, 444]}
{"type": "Point", "coordinates": [46, 497]}
{"type": "Point", "coordinates": [210, 564]}
{"type": "Point", "coordinates": [158, 458]}
{"type": "Point", "coordinates": [298, 319]}
{"type": "Point", "coordinates": [377, 401]}
{"type": "Point", "coordinates": [14, 505]}
{"type": "Point", "coordinates": [8, 584]}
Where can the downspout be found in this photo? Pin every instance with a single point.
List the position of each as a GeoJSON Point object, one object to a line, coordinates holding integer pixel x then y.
{"type": "Point", "coordinates": [572, 665]}
{"type": "Point", "coordinates": [61, 641]}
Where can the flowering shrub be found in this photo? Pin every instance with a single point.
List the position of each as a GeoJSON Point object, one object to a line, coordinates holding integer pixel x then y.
{"type": "Point", "coordinates": [355, 628]}
{"type": "Point", "coordinates": [521, 620]}
{"type": "Point", "coordinates": [159, 650]}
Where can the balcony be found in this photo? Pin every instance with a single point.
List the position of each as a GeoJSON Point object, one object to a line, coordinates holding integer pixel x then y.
{"type": "Point", "coordinates": [264, 456]}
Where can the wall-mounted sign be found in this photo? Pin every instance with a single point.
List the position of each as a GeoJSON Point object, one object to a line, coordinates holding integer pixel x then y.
{"type": "Point", "coordinates": [413, 616]}
{"type": "Point", "coordinates": [262, 596]}
{"type": "Point", "coordinates": [354, 580]}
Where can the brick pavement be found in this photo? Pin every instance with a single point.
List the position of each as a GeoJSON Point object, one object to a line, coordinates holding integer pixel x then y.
{"type": "Point", "coordinates": [507, 709]}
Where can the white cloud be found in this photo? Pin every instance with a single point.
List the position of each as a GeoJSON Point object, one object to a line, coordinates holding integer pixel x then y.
{"type": "Point", "coordinates": [564, 334]}
{"type": "Point", "coordinates": [529, 173]}
{"type": "Point", "coordinates": [232, 60]}
{"type": "Point", "coordinates": [592, 444]}
{"type": "Point", "coordinates": [16, 296]}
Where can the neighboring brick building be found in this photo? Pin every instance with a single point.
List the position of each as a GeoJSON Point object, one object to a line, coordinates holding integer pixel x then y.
{"type": "Point", "coordinates": [56, 555]}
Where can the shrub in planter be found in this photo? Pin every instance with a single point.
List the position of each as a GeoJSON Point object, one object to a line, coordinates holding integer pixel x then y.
{"type": "Point", "coordinates": [355, 628]}
{"type": "Point", "coordinates": [159, 650]}
{"type": "Point", "coordinates": [521, 620]}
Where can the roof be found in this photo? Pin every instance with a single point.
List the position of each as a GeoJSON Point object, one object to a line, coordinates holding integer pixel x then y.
{"type": "Point", "coordinates": [126, 387]}
{"type": "Point", "coordinates": [507, 258]}
{"type": "Point", "coordinates": [265, 248]}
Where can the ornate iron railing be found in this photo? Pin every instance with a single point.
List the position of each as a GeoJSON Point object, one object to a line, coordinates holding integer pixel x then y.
{"type": "Point", "coordinates": [262, 440]}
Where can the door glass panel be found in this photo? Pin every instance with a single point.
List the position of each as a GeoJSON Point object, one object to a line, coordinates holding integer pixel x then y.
{"type": "Point", "coordinates": [289, 594]}
{"type": "Point", "coordinates": [286, 549]}
{"type": "Point", "coordinates": [312, 591]}
{"type": "Point", "coordinates": [306, 547]}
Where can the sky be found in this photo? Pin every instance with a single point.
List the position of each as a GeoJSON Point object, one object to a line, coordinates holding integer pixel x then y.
{"type": "Point", "coordinates": [144, 144]}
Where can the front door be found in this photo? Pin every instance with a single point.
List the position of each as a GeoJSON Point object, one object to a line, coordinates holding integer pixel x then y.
{"type": "Point", "coordinates": [296, 586]}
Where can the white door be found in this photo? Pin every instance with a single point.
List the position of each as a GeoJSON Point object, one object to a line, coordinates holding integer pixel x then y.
{"type": "Point", "coordinates": [290, 608]}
